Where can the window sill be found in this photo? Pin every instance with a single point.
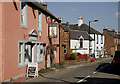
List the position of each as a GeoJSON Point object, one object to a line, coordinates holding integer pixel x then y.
{"type": "Point", "coordinates": [39, 31]}
{"type": "Point", "coordinates": [23, 26]}
{"type": "Point", "coordinates": [39, 62]}
{"type": "Point", "coordinates": [22, 65]}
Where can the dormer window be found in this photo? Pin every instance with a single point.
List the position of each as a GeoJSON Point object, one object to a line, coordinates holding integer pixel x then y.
{"type": "Point", "coordinates": [81, 41]}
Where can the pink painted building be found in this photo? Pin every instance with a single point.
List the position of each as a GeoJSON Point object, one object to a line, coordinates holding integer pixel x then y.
{"type": "Point", "coordinates": [24, 29]}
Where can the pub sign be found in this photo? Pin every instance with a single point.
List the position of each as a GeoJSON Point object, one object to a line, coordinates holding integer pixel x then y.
{"type": "Point", "coordinates": [53, 30]}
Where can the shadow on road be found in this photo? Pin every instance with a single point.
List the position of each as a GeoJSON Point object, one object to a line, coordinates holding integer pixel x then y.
{"type": "Point", "coordinates": [62, 81]}
{"type": "Point", "coordinates": [95, 80]}
{"type": "Point", "coordinates": [108, 68]}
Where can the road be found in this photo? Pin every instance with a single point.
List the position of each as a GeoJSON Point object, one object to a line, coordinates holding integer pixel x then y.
{"type": "Point", "coordinates": [98, 72]}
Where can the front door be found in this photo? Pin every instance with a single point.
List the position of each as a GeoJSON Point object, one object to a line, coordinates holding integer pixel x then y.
{"type": "Point", "coordinates": [48, 60]}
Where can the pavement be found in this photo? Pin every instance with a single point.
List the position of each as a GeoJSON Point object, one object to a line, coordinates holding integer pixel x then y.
{"type": "Point", "coordinates": [97, 72]}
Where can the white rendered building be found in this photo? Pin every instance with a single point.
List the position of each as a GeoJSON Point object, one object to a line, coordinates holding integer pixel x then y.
{"type": "Point", "coordinates": [97, 47]}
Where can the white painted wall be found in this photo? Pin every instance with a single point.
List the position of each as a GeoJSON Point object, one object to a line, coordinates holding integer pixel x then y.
{"type": "Point", "coordinates": [98, 46]}
{"type": "Point", "coordinates": [76, 43]}
{"type": "Point", "coordinates": [95, 46]}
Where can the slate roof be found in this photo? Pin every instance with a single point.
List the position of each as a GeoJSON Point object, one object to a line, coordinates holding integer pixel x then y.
{"type": "Point", "coordinates": [113, 34]}
{"type": "Point", "coordinates": [84, 27]}
{"type": "Point", "coordinates": [36, 5]}
{"type": "Point", "coordinates": [75, 34]}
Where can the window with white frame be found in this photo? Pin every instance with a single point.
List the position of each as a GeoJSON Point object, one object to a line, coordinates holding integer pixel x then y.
{"type": "Point", "coordinates": [97, 38]}
{"type": "Point", "coordinates": [29, 53]}
{"type": "Point", "coordinates": [114, 40]}
{"type": "Point", "coordinates": [20, 53]}
{"type": "Point", "coordinates": [101, 39]}
{"type": "Point", "coordinates": [81, 43]}
{"type": "Point", "coordinates": [90, 43]}
{"type": "Point", "coordinates": [23, 14]}
{"type": "Point", "coordinates": [55, 52]}
{"type": "Point", "coordinates": [39, 21]}
{"type": "Point", "coordinates": [39, 53]}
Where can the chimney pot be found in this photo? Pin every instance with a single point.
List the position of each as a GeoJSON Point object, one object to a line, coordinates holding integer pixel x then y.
{"type": "Point", "coordinates": [80, 21]}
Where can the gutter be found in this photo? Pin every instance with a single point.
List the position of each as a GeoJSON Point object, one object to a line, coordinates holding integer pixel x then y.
{"type": "Point", "coordinates": [36, 5]}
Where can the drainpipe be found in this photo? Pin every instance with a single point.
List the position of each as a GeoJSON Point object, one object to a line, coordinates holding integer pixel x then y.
{"type": "Point", "coordinates": [94, 45]}
{"type": "Point", "coordinates": [67, 38]}
{"type": "Point", "coordinates": [59, 43]}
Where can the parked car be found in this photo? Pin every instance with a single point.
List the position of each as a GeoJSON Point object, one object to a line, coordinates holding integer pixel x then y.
{"type": "Point", "coordinates": [92, 59]}
{"type": "Point", "coordinates": [116, 60]}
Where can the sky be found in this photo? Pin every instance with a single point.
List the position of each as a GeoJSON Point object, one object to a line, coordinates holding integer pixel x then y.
{"type": "Point", "coordinates": [105, 12]}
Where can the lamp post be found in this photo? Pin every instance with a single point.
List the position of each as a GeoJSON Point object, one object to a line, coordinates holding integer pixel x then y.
{"type": "Point", "coordinates": [89, 32]}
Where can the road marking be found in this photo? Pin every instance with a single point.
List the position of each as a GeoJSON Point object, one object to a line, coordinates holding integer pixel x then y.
{"type": "Point", "coordinates": [103, 66]}
{"type": "Point", "coordinates": [56, 70]}
{"type": "Point", "coordinates": [95, 72]}
{"type": "Point", "coordinates": [74, 66]}
{"type": "Point", "coordinates": [80, 65]}
{"type": "Point", "coordinates": [83, 79]}
{"type": "Point", "coordinates": [70, 67]}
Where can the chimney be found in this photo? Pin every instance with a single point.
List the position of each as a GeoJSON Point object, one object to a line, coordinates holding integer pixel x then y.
{"type": "Point", "coordinates": [80, 21]}
{"type": "Point", "coordinates": [60, 19]}
{"type": "Point", "coordinates": [112, 30]}
{"type": "Point", "coordinates": [45, 6]}
{"type": "Point", "coordinates": [41, 1]}
{"type": "Point", "coordinates": [105, 30]}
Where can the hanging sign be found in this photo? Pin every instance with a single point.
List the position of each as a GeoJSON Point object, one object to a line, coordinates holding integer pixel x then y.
{"type": "Point", "coordinates": [53, 30]}
{"type": "Point", "coordinates": [32, 70]}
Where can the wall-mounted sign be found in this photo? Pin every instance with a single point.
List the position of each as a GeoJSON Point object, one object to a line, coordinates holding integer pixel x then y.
{"type": "Point", "coordinates": [53, 30]}
{"type": "Point", "coordinates": [32, 70]}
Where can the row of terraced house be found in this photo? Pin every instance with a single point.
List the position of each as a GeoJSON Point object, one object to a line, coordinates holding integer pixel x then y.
{"type": "Point", "coordinates": [29, 33]}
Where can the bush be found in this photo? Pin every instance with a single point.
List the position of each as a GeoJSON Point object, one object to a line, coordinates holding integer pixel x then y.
{"type": "Point", "coordinates": [78, 54]}
{"type": "Point", "coordinates": [72, 56]}
{"type": "Point", "coordinates": [45, 70]}
{"type": "Point", "coordinates": [67, 58]}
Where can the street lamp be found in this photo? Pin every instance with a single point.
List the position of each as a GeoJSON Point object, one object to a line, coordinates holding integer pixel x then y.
{"type": "Point", "coordinates": [89, 32]}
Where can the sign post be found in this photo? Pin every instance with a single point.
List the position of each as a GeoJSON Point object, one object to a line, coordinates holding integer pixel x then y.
{"type": "Point", "coordinates": [32, 70]}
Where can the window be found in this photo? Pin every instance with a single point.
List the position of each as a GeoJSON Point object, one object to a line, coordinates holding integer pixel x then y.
{"type": "Point", "coordinates": [39, 53]}
{"type": "Point", "coordinates": [97, 53]}
{"type": "Point", "coordinates": [39, 21]}
{"type": "Point", "coordinates": [81, 43]}
{"type": "Point", "coordinates": [21, 53]}
{"type": "Point", "coordinates": [65, 49]}
{"type": "Point", "coordinates": [55, 51]}
{"type": "Point", "coordinates": [115, 40]}
{"type": "Point", "coordinates": [90, 43]}
{"type": "Point", "coordinates": [23, 14]}
{"type": "Point", "coordinates": [29, 52]}
{"type": "Point", "coordinates": [101, 39]}
{"type": "Point", "coordinates": [118, 41]}
{"type": "Point", "coordinates": [97, 38]}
